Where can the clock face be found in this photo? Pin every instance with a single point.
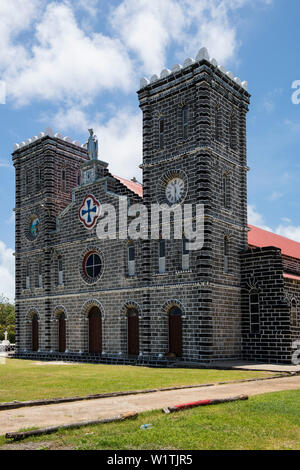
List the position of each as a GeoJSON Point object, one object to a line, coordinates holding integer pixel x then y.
{"type": "Point", "coordinates": [175, 190]}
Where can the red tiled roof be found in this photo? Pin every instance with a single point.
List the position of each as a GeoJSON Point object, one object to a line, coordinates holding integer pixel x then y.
{"type": "Point", "coordinates": [259, 238]}
{"type": "Point", "coordinates": [135, 187]}
{"type": "Point", "coordinates": [291, 276]}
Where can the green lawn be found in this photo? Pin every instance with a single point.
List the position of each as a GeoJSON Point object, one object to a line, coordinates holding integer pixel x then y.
{"type": "Point", "coordinates": [270, 421]}
{"type": "Point", "coordinates": [28, 380]}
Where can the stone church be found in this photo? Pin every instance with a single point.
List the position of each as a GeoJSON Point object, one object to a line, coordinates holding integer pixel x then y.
{"type": "Point", "coordinates": [153, 302]}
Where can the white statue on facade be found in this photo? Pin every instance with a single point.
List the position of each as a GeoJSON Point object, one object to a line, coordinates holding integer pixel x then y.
{"type": "Point", "coordinates": [92, 146]}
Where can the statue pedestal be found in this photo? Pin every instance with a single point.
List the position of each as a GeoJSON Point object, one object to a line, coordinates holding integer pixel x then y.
{"type": "Point", "coordinates": [93, 170]}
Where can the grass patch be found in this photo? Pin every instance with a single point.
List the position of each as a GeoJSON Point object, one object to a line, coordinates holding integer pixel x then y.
{"type": "Point", "coordinates": [26, 380]}
{"type": "Point", "coordinates": [265, 422]}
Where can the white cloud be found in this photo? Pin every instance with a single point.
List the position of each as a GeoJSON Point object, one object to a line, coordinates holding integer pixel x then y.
{"type": "Point", "coordinates": [62, 57]}
{"type": "Point", "coordinates": [7, 272]}
{"type": "Point", "coordinates": [257, 219]}
{"type": "Point", "coordinates": [289, 231]}
{"type": "Point", "coordinates": [149, 28]}
{"type": "Point", "coordinates": [275, 196]}
{"type": "Point", "coordinates": [65, 64]}
{"type": "Point", "coordinates": [120, 138]}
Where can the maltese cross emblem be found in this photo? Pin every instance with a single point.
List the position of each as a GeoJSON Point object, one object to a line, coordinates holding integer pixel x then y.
{"type": "Point", "coordinates": [89, 211]}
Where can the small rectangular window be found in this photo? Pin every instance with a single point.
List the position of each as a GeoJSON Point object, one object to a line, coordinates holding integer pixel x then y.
{"type": "Point", "coordinates": [161, 133]}
{"type": "Point", "coordinates": [226, 255]}
{"type": "Point", "coordinates": [226, 187]}
{"type": "Point", "coordinates": [60, 272]}
{"type": "Point", "coordinates": [185, 122]}
{"type": "Point", "coordinates": [27, 282]}
{"type": "Point", "coordinates": [26, 182]}
{"type": "Point", "coordinates": [63, 177]}
{"type": "Point", "coordinates": [40, 275]}
{"type": "Point", "coordinates": [254, 311]}
{"type": "Point", "coordinates": [38, 179]}
{"type": "Point", "coordinates": [162, 257]}
{"type": "Point", "coordinates": [185, 255]}
{"type": "Point", "coordinates": [131, 260]}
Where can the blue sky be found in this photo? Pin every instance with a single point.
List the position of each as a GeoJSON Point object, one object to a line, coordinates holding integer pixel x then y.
{"type": "Point", "coordinates": [74, 64]}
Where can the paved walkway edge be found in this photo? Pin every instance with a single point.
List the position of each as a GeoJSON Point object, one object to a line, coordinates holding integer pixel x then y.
{"type": "Point", "coordinates": [52, 401]}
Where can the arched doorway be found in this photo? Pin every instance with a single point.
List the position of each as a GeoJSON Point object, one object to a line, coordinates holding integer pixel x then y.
{"type": "Point", "coordinates": [175, 331]}
{"type": "Point", "coordinates": [35, 332]}
{"type": "Point", "coordinates": [133, 332]}
{"type": "Point", "coordinates": [62, 332]}
{"type": "Point", "coordinates": [95, 331]}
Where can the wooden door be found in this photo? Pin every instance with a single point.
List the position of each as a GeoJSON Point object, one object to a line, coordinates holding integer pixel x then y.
{"type": "Point", "coordinates": [133, 333]}
{"type": "Point", "coordinates": [175, 331]}
{"type": "Point", "coordinates": [62, 333]}
{"type": "Point", "coordinates": [95, 331]}
{"type": "Point", "coordinates": [35, 333]}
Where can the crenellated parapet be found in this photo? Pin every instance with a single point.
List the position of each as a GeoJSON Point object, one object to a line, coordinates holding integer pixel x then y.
{"type": "Point", "coordinates": [202, 55]}
{"type": "Point", "coordinates": [48, 133]}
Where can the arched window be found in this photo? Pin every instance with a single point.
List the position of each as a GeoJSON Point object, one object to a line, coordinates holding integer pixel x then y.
{"type": "Point", "coordinates": [162, 257]}
{"type": "Point", "coordinates": [161, 133]}
{"type": "Point", "coordinates": [185, 122]}
{"type": "Point", "coordinates": [131, 259]}
{"type": "Point", "coordinates": [294, 313]}
{"type": "Point", "coordinates": [175, 331]}
{"type": "Point", "coordinates": [133, 344]}
{"type": "Point", "coordinates": [95, 331]}
{"type": "Point", "coordinates": [62, 332]}
{"type": "Point", "coordinates": [226, 254]}
{"type": "Point", "coordinates": [254, 307]}
{"type": "Point", "coordinates": [35, 333]}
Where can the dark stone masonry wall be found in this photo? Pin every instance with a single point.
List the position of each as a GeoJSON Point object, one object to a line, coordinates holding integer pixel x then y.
{"type": "Point", "coordinates": [262, 270]}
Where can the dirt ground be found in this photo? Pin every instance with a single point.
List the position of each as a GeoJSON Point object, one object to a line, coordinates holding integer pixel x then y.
{"type": "Point", "coordinates": [66, 413]}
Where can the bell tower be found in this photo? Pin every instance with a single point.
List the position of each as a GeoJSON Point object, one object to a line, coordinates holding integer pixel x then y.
{"type": "Point", "coordinates": [194, 151]}
{"type": "Point", "coordinates": [47, 169]}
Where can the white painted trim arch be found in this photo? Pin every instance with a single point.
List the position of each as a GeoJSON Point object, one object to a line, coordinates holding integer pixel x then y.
{"type": "Point", "coordinates": [32, 311]}
{"type": "Point", "coordinates": [128, 305]}
{"type": "Point", "coordinates": [59, 309]}
{"type": "Point", "coordinates": [173, 303]}
{"type": "Point", "coordinates": [85, 309]}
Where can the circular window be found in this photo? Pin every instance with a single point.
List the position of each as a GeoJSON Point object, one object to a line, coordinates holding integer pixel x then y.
{"type": "Point", "coordinates": [92, 266]}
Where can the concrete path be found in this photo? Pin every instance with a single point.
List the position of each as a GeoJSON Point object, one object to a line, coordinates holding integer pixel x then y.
{"type": "Point", "coordinates": [242, 365]}
{"type": "Point", "coordinates": [65, 413]}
